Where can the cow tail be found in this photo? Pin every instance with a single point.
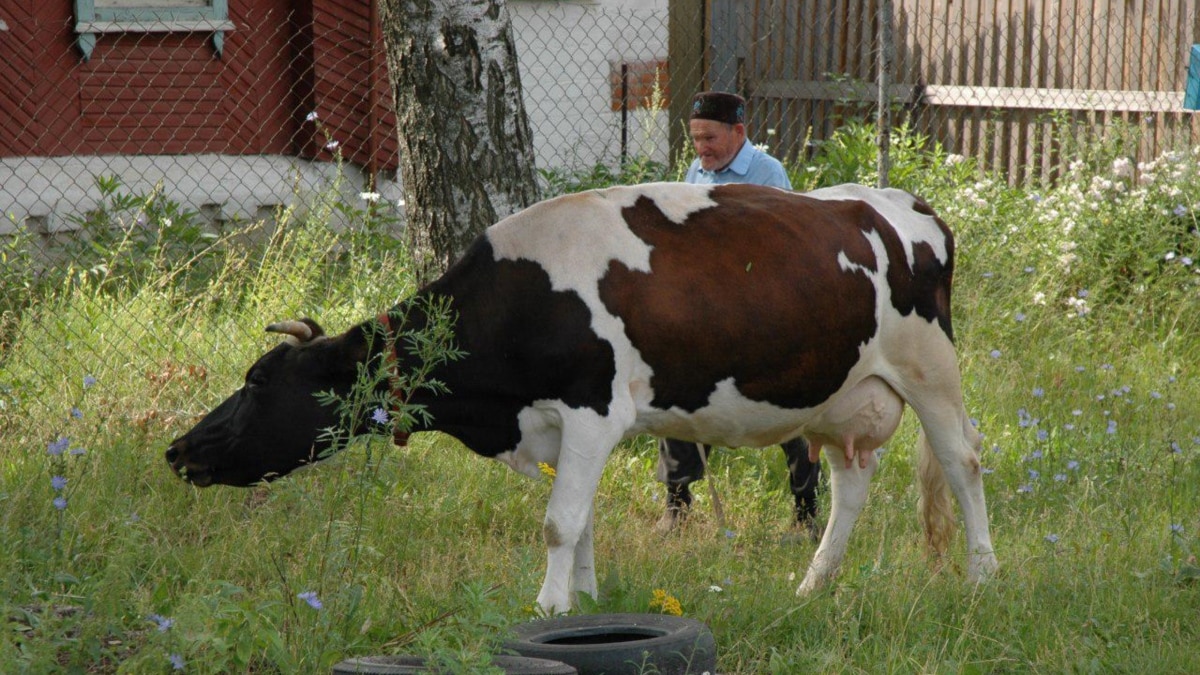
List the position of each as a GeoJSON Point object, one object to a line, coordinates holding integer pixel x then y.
{"type": "Point", "coordinates": [937, 512]}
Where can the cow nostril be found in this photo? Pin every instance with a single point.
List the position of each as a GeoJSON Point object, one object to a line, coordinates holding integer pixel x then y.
{"type": "Point", "coordinates": [172, 454]}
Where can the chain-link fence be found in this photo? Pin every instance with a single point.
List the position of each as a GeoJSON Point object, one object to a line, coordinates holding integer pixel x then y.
{"type": "Point", "coordinates": [208, 125]}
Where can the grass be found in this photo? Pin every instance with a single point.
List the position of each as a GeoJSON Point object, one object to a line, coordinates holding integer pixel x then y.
{"type": "Point", "coordinates": [1077, 330]}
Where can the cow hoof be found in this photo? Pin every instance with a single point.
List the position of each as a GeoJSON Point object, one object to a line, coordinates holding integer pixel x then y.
{"type": "Point", "coordinates": [619, 643]}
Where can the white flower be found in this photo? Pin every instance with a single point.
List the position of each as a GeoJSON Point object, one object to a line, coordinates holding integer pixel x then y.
{"type": "Point", "coordinates": [332, 145]}
{"type": "Point", "coordinates": [715, 589]}
{"type": "Point", "coordinates": [1122, 167]}
{"type": "Point", "coordinates": [369, 196]}
{"type": "Point", "coordinates": [311, 117]}
{"type": "Point", "coordinates": [1039, 298]}
{"type": "Point", "coordinates": [953, 159]}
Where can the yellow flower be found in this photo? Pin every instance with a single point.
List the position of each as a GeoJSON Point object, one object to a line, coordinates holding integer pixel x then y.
{"type": "Point", "coordinates": [547, 470]}
{"type": "Point", "coordinates": [669, 604]}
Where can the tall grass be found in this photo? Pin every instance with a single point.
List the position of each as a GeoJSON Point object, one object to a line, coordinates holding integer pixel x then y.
{"type": "Point", "coordinates": [1077, 330]}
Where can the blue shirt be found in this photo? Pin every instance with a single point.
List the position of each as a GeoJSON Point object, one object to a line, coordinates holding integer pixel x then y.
{"type": "Point", "coordinates": [750, 165]}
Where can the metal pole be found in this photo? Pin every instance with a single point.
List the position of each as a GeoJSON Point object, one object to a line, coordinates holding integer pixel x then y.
{"type": "Point", "coordinates": [884, 113]}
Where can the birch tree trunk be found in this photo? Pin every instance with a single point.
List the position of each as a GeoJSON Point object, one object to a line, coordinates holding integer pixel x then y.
{"type": "Point", "coordinates": [466, 153]}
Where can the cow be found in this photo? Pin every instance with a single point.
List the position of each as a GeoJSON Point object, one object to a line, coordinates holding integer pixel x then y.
{"type": "Point", "coordinates": [823, 314]}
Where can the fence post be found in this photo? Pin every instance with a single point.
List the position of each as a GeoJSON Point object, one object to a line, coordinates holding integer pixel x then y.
{"type": "Point", "coordinates": [884, 115]}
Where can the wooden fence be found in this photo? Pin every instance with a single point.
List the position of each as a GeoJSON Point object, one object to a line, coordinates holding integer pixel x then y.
{"type": "Point", "coordinates": [983, 77]}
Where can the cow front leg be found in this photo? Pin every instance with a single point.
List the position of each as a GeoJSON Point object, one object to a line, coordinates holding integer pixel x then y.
{"type": "Point", "coordinates": [568, 526]}
{"type": "Point", "coordinates": [848, 493]}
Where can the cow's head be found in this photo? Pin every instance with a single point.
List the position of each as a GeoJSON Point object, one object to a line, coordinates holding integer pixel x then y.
{"type": "Point", "coordinates": [273, 424]}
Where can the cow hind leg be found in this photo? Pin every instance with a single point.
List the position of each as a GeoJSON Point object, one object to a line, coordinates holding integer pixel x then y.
{"type": "Point", "coordinates": [848, 493]}
{"type": "Point", "coordinates": [949, 447]}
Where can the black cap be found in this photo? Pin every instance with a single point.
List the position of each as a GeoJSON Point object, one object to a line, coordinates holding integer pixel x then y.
{"type": "Point", "coordinates": [719, 106]}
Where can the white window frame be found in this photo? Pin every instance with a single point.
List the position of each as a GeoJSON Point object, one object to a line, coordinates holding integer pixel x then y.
{"type": "Point", "coordinates": [153, 16]}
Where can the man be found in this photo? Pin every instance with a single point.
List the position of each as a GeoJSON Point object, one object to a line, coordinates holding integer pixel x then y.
{"type": "Point", "coordinates": [717, 126]}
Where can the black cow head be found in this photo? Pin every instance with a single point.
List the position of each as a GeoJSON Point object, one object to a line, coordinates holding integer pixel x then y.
{"type": "Point", "coordinates": [274, 423]}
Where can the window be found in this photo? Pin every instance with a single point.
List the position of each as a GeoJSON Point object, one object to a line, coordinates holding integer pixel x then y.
{"type": "Point", "coordinates": [96, 17]}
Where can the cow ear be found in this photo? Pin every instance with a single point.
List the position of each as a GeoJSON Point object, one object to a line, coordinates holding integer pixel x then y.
{"type": "Point", "coordinates": [303, 330]}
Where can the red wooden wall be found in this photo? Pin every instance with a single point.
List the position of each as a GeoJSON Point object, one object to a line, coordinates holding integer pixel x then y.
{"type": "Point", "coordinates": [169, 93]}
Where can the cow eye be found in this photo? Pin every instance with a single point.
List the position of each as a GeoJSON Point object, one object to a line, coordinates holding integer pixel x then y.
{"type": "Point", "coordinates": [255, 378]}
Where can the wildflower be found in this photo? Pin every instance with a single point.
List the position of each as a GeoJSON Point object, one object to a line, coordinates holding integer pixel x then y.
{"type": "Point", "coordinates": [667, 603]}
{"type": "Point", "coordinates": [1042, 434]}
{"type": "Point", "coordinates": [1039, 298]}
{"type": "Point", "coordinates": [1122, 167]}
{"type": "Point", "coordinates": [1068, 427]}
{"type": "Point", "coordinates": [88, 381]}
{"type": "Point", "coordinates": [1175, 448]}
{"type": "Point", "coordinates": [1170, 255]}
{"type": "Point", "coordinates": [1019, 317]}
{"type": "Point", "coordinates": [1060, 477]}
{"type": "Point", "coordinates": [1083, 293]}
{"type": "Point", "coordinates": [1080, 369]}
{"type": "Point", "coordinates": [380, 416]}
{"type": "Point", "coordinates": [995, 353]}
{"type": "Point", "coordinates": [311, 598]}
{"type": "Point", "coordinates": [1036, 454]}
{"type": "Point", "coordinates": [1112, 428]}
{"type": "Point", "coordinates": [59, 446]}
{"type": "Point", "coordinates": [715, 589]}
{"type": "Point", "coordinates": [1028, 270]}
{"type": "Point", "coordinates": [1034, 474]}
{"type": "Point", "coordinates": [1180, 210]}
{"type": "Point", "coordinates": [1154, 394]}
{"type": "Point", "coordinates": [311, 117]}
{"type": "Point", "coordinates": [1052, 538]}
{"type": "Point", "coordinates": [988, 275]}
{"type": "Point", "coordinates": [371, 197]}
{"type": "Point", "coordinates": [1187, 262]}
{"type": "Point", "coordinates": [332, 145]}
{"type": "Point", "coordinates": [730, 534]}
{"type": "Point", "coordinates": [176, 661]}
{"type": "Point", "coordinates": [75, 452]}
{"type": "Point", "coordinates": [60, 503]}
{"type": "Point", "coordinates": [1073, 465]}
{"type": "Point", "coordinates": [953, 158]}
{"type": "Point", "coordinates": [1038, 392]}
{"type": "Point", "coordinates": [58, 483]}
{"type": "Point", "coordinates": [547, 470]}
{"type": "Point", "coordinates": [1177, 528]}
{"type": "Point", "coordinates": [76, 413]}
{"type": "Point", "coordinates": [163, 623]}
{"type": "Point", "coordinates": [1025, 489]}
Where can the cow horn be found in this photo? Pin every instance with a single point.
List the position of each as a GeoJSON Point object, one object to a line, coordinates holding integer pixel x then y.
{"type": "Point", "coordinates": [302, 331]}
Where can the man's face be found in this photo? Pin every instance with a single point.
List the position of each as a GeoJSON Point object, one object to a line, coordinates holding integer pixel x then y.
{"type": "Point", "coordinates": [716, 143]}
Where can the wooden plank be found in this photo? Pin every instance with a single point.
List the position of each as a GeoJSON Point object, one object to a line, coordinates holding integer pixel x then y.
{"type": "Point", "coordinates": [959, 96]}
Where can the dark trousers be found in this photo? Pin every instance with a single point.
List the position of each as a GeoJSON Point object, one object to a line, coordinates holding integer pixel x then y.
{"type": "Point", "coordinates": [679, 465]}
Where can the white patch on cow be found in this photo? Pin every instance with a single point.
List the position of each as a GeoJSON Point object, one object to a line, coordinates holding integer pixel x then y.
{"type": "Point", "coordinates": [677, 203]}
{"type": "Point", "coordinates": [897, 207]}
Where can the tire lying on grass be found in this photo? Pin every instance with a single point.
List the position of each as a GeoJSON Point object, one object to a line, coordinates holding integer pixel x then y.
{"type": "Point", "coordinates": [615, 644]}
{"type": "Point", "coordinates": [408, 665]}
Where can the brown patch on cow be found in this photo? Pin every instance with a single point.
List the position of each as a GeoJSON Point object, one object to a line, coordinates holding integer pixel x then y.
{"type": "Point", "coordinates": [751, 289]}
{"type": "Point", "coordinates": [551, 534]}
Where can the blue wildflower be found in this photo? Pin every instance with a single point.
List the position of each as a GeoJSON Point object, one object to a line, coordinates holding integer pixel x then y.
{"type": "Point", "coordinates": [1034, 474]}
{"type": "Point", "coordinates": [1060, 477]}
{"type": "Point", "coordinates": [1177, 528]}
{"type": "Point", "coordinates": [59, 446]}
{"type": "Point", "coordinates": [1052, 538]}
{"type": "Point", "coordinates": [311, 598]}
{"type": "Point", "coordinates": [58, 482]}
{"type": "Point", "coordinates": [1180, 210]}
{"type": "Point", "coordinates": [1025, 489]}
{"type": "Point", "coordinates": [1019, 316]}
{"type": "Point", "coordinates": [1112, 427]}
{"type": "Point", "coordinates": [164, 624]}
{"type": "Point", "coordinates": [995, 353]}
{"type": "Point", "coordinates": [60, 503]}
{"type": "Point", "coordinates": [1073, 465]}
{"type": "Point", "coordinates": [1042, 434]}
{"type": "Point", "coordinates": [76, 413]}
{"type": "Point", "coordinates": [177, 661]}
{"type": "Point", "coordinates": [730, 534]}
{"type": "Point", "coordinates": [380, 416]}
{"type": "Point", "coordinates": [1083, 293]}
{"type": "Point", "coordinates": [88, 381]}
{"type": "Point", "coordinates": [1038, 392]}
{"type": "Point", "coordinates": [1175, 449]}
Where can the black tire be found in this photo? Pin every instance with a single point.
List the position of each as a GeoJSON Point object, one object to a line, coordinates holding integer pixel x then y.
{"type": "Point", "coordinates": [616, 644]}
{"type": "Point", "coordinates": [409, 665]}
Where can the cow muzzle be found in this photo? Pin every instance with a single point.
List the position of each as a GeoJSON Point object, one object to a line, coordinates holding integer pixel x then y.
{"type": "Point", "coordinates": [195, 473]}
